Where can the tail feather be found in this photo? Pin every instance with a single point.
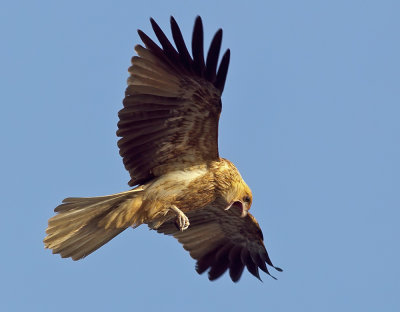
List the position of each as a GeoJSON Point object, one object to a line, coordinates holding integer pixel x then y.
{"type": "Point", "coordinates": [82, 225]}
{"type": "Point", "coordinates": [88, 240]}
{"type": "Point", "coordinates": [78, 202]}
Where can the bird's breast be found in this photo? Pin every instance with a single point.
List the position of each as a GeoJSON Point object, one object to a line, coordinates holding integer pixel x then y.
{"type": "Point", "coordinates": [174, 183]}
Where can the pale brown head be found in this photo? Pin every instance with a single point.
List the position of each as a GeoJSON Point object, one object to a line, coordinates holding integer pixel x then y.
{"type": "Point", "coordinates": [240, 196]}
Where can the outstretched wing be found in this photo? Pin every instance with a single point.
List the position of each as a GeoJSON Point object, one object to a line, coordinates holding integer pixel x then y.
{"type": "Point", "coordinates": [220, 240]}
{"type": "Point", "coordinates": [172, 104]}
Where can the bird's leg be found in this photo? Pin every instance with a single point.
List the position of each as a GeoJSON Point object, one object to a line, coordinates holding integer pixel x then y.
{"type": "Point", "coordinates": [182, 222]}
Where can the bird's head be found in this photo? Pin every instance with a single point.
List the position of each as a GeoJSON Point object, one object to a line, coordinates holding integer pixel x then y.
{"type": "Point", "coordinates": [241, 197]}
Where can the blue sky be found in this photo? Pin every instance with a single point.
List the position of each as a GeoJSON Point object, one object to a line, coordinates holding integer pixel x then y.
{"type": "Point", "coordinates": [310, 117]}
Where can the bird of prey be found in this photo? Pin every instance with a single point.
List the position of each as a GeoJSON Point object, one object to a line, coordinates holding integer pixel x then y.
{"type": "Point", "coordinates": [169, 144]}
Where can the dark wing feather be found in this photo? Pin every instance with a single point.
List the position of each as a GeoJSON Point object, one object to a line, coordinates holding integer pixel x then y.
{"type": "Point", "coordinates": [222, 240]}
{"type": "Point", "coordinates": [212, 56]}
{"type": "Point", "coordinates": [172, 104]}
{"type": "Point", "coordinates": [197, 47]}
{"type": "Point", "coordinates": [186, 59]}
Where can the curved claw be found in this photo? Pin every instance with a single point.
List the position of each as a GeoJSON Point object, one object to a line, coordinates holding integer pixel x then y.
{"type": "Point", "coordinates": [182, 221]}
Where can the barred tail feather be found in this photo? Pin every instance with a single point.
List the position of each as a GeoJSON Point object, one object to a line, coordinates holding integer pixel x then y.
{"type": "Point", "coordinates": [82, 225]}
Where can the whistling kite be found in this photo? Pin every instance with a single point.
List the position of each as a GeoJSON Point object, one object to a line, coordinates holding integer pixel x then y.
{"type": "Point", "coordinates": [169, 144]}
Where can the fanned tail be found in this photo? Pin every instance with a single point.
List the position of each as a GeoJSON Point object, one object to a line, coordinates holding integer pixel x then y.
{"type": "Point", "coordinates": [82, 225]}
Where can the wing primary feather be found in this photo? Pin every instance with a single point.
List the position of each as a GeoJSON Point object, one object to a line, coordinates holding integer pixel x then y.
{"type": "Point", "coordinates": [221, 262]}
{"type": "Point", "coordinates": [184, 55]}
{"type": "Point", "coordinates": [212, 56]}
{"type": "Point", "coordinates": [258, 260]}
{"type": "Point", "coordinates": [206, 261]}
{"type": "Point", "coordinates": [251, 266]}
{"type": "Point", "coordinates": [266, 258]}
{"type": "Point", "coordinates": [154, 48]}
{"type": "Point", "coordinates": [197, 47]}
{"type": "Point", "coordinates": [236, 266]}
{"type": "Point", "coordinates": [165, 43]}
{"type": "Point", "coordinates": [223, 71]}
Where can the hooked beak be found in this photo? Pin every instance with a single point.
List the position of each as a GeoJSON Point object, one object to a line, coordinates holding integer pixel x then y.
{"type": "Point", "coordinates": [239, 205]}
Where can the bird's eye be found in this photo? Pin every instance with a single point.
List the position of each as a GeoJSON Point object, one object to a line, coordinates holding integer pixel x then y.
{"type": "Point", "coordinates": [246, 199]}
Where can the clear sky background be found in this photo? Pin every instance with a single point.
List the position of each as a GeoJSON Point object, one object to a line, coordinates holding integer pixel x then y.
{"type": "Point", "coordinates": [311, 117]}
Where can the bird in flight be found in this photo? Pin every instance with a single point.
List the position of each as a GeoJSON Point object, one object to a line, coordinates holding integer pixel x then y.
{"type": "Point", "coordinates": [169, 144]}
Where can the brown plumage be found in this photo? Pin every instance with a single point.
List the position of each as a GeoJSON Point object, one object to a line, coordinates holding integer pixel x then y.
{"type": "Point", "coordinates": [169, 145]}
